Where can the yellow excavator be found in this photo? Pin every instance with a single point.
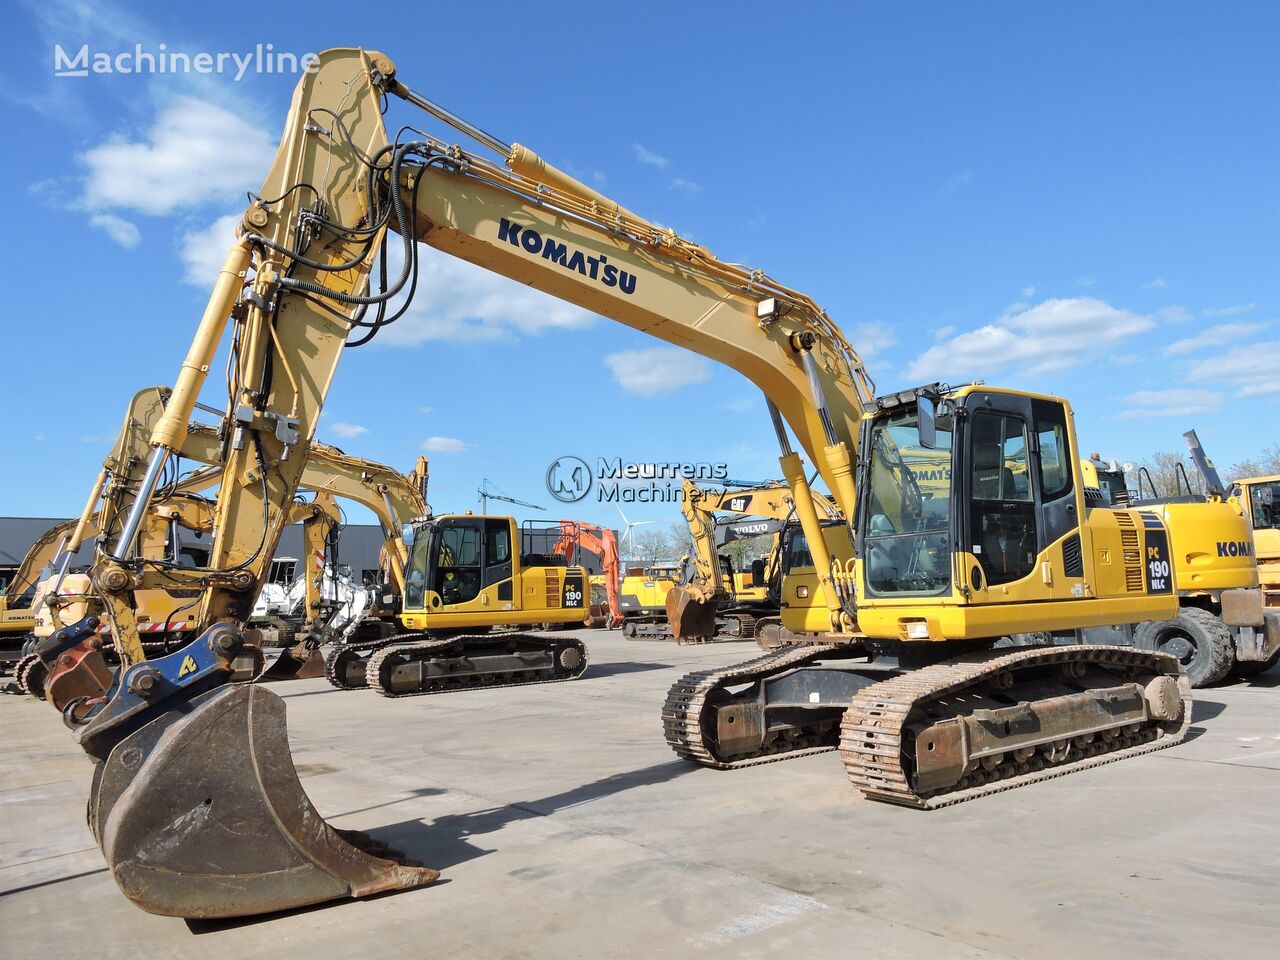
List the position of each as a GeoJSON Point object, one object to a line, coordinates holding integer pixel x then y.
{"type": "Point", "coordinates": [643, 599]}
{"type": "Point", "coordinates": [67, 667]}
{"type": "Point", "coordinates": [195, 801]}
{"type": "Point", "coordinates": [466, 575]}
{"type": "Point", "coordinates": [1224, 626]}
{"type": "Point", "coordinates": [1259, 498]}
{"type": "Point", "coordinates": [715, 591]}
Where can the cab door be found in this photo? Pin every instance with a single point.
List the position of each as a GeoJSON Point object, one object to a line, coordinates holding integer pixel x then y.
{"type": "Point", "coordinates": [1020, 499]}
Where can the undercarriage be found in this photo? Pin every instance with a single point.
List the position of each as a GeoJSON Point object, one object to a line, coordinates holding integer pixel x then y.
{"type": "Point", "coordinates": [927, 728]}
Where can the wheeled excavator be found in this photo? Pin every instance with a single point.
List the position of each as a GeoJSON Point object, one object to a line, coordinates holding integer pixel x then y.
{"type": "Point", "coordinates": [1225, 626]}
{"type": "Point", "coordinates": [711, 592]}
{"type": "Point", "coordinates": [196, 803]}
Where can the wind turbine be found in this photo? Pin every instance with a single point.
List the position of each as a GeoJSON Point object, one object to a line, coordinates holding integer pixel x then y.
{"type": "Point", "coordinates": [628, 538]}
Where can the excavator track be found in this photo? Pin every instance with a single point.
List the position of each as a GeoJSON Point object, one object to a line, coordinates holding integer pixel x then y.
{"type": "Point", "coordinates": [878, 734]}
{"type": "Point", "coordinates": [346, 664]}
{"type": "Point", "coordinates": [444, 665]}
{"type": "Point", "coordinates": [691, 695]}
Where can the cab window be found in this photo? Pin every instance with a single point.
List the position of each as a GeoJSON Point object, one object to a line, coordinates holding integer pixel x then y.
{"type": "Point", "coordinates": [1003, 511]}
{"type": "Point", "coordinates": [1264, 503]}
{"type": "Point", "coordinates": [1055, 454]}
{"type": "Point", "coordinates": [458, 564]}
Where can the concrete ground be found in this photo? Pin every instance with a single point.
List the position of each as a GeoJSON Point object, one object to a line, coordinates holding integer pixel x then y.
{"type": "Point", "coordinates": [564, 827]}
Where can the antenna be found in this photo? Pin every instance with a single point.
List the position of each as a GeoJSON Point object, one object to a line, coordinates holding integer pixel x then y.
{"type": "Point", "coordinates": [486, 496]}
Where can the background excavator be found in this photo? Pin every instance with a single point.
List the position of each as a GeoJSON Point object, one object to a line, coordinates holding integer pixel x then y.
{"type": "Point", "coordinates": [1224, 626]}
{"type": "Point", "coordinates": [195, 801]}
{"type": "Point", "coordinates": [1259, 498]}
{"type": "Point", "coordinates": [714, 591]}
{"type": "Point", "coordinates": [466, 575]}
{"type": "Point", "coordinates": [66, 666]}
{"type": "Point", "coordinates": [603, 543]}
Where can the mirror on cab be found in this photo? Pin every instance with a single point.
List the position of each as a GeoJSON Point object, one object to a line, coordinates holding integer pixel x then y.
{"type": "Point", "coordinates": [928, 422]}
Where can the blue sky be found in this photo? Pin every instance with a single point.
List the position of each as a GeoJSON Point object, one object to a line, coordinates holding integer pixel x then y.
{"type": "Point", "coordinates": [1077, 198]}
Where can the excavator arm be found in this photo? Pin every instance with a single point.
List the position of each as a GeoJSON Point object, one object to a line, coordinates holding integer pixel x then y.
{"type": "Point", "coordinates": [603, 542]}
{"type": "Point", "coordinates": [691, 606]}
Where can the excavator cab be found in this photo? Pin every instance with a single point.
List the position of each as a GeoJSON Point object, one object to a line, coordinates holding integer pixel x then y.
{"type": "Point", "coordinates": [973, 508]}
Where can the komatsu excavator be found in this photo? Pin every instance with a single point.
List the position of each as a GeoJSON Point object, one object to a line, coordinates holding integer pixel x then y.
{"type": "Point", "coordinates": [694, 610]}
{"type": "Point", "coordinates": [467, 574]}
{"type": "Point", "coordinates": [1224, 627]}
{"type": "Point", "coordinates": [195, 800]}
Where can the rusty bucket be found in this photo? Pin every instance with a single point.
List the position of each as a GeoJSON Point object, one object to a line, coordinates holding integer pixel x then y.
{"type": "Point", "coordinates": [200, 814]}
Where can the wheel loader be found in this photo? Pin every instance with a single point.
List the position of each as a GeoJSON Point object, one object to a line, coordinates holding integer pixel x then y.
{"type": "Point", "coordinates": [195, 801]}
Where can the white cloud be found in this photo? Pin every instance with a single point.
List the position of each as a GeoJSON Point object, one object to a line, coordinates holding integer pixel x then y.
{"type": "Point", "coordinates": [647, 156]}
{"type": "Point", "coordinates": [348, 430]}
{"type": "Point", "coordinates": [1168, 403]}
{"type": "Point", "coordinates": [1174, 314]}
{"type": "Point", "coordinates": [1228, 311]}
{"type": "Point", "coordinates": [196, 151]}
{"type": "Point", "coordinates": [1159, 283]}
{"type": "Point", "coordinates": [444, 445]}
{"type": "Point", "coordinates": [39, 438]}
{"type": "Point", "coordinates": [117, 228]}
{"type": "Point", "coordinates": [871, 339]}
{"type": "Point", "coordinates": [1213, 338]}
{"type": "Point", "coordinates": [459, 301]}
{"type": "Point", "coordinates": [688, 186]}
{"type": "Point", "coordinates": [1253, 369]}
{"type": "Point", "coordinates": [1050, 337]}
{"type": "Point", "coordinates": [204, 250]}
{"type": "Point", "coordinates": [657, 370]}
{"type": "Point", "coordinates": [424, 409]}
{"type": "Point", "coordinates": [1028, 292]}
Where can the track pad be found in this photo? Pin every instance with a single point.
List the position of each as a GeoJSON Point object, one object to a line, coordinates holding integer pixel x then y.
{"type": "Point", "coordinates": [201, 815]}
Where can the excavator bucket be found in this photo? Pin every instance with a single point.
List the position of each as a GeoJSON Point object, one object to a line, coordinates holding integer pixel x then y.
{"type": "Point", "coordinates": [691, 619]}
{"type": "Point", "coordinates": [200, 815]}
{"type": "Point", "coordinates": [298, 662]}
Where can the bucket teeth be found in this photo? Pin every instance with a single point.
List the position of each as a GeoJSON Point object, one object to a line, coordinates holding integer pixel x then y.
{"type": "Point", "coordinates": [201, 815]}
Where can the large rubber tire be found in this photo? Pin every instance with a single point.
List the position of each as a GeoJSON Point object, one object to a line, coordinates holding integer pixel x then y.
{"type": "Point", "coordinates": [1212, 652]}
{"type": "Point", "coordinates": [1251, 668]}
